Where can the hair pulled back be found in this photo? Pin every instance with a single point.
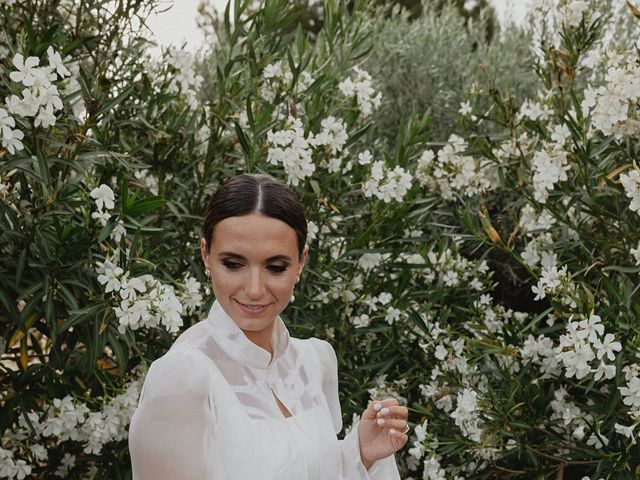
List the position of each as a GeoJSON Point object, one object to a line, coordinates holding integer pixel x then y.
{"type": "Point", "coordinates": [255, 193]}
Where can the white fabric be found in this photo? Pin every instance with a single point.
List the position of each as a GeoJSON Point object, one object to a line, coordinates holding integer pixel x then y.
{"type": "Point", "coordinates": [207, 411]}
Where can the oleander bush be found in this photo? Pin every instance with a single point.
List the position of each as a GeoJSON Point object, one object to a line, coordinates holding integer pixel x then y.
{"type": "Point", "coordinates": [487, 278]}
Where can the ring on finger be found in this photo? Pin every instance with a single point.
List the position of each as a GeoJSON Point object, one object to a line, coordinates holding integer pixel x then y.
{"type": "Point", "coordinates": [407, 428]}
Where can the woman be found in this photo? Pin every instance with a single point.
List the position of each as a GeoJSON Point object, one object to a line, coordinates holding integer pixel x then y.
{"type": "Point", "coordinates": [236, 398]}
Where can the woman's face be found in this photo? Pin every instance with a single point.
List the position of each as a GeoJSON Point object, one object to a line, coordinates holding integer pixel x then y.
{"type": "Point", "coordinates": [254, 264]}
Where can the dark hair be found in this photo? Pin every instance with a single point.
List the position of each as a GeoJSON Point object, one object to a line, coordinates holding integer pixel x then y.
{"type": "Point", "coordinates": [254, 193]}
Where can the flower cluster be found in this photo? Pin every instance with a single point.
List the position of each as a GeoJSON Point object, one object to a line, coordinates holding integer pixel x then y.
{"type": "Point", "coordinates": [541, 352]}
{"type": "Point", "coordinates": [631, 184]}
{"type": "Point", "coordinates": [104, 199]}
{"type": "Point", "coordinates": [185, 80]}
{"type": "Point", "coordinates": [454, 269]}
{"type": "Point", "coordinates": [370, 260]}
{"type": "Point", "coordinates": [291, 149]}
{"type": "Point", "coordinates": [294, 150]}
{"type": "Point", "coordinates": [144, 301]}
{"type": "Point", "coordinates": [567, 416]}
{"type": "Point", "coordinates": [550, 164]}
{"type": "Point", "coordinates": [67, 420]}
{"type": "Point", "coordinates": [40, 97]}
{"type": "Point", "coordinates": [577, 345]}
{"type": "Point", "coordinates": [466, 414]}
{"type": "Point", "coordinates": [11, 468]}
{"type": "Point", "coordinates": [387, 184]}
{"type": "Point", "coordinates": [451, 172]}
{"type": "Point", "coordinates": [278, 78]}
{"type": "Point", "coordinates": [613, 106]}
{"type": "Point", "coordinates": [554, 281]}
{"type": "Point", "coordinates": [361, 89]}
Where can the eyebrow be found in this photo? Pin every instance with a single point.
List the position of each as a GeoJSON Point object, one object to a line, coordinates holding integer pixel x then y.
{"type": "Point", "coordinates": [284, 258]}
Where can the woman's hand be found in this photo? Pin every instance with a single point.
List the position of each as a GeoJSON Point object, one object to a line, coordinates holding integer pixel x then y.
{"type": "Point", "coordinates": [381, 430]}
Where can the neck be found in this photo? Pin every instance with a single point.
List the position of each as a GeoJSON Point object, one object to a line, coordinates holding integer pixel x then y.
{"type": "Point", "coordinates": [261, 338]}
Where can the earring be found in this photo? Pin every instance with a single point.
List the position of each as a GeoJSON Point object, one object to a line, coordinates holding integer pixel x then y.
{"type": "Point", "coordinates": [207, 272]}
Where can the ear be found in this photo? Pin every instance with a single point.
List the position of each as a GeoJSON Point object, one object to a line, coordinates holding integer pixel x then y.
{"type": "Point", "coordinates": [203, 251]}
{"type": "Point", "coordinates": [303, 260]}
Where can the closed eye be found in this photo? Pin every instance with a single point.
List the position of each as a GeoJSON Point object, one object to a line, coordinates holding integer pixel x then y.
{"type": "Point", "coordinates": [231, 265]}
{"type": "Point", "coordinates": [277, 268]}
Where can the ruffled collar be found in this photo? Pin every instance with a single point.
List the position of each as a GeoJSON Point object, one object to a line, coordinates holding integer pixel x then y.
{"type": "Point", "coordinates": [233, 341]}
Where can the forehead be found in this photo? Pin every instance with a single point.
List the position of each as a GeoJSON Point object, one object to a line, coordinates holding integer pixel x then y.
{"type": "Point", "coordinates": [254, 234]}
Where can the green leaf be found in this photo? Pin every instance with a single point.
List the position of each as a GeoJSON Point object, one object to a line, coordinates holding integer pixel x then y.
{"type": "Point", "coordinates": [113, 103]}
{"type": "Point", "coordinates": [81, 315]}
{"type": "Point", "coordinates": [145, 205]}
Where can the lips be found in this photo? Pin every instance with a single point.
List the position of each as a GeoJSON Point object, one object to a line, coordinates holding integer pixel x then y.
{"type": "Point", "coordinates": [252, 309]}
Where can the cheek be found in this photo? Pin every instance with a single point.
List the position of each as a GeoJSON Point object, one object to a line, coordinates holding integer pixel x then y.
{"type": "Point", "coordinates": [223, 279]}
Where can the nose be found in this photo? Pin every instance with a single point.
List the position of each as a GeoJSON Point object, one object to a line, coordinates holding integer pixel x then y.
{"type": "Point", "coordinates": [254, 286]}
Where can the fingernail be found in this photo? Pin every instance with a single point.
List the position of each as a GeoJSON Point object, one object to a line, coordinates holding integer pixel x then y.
{"type": "Point", "coordinates": [381, 421]}
{"type": "Point", "coordinates": [377, 406]}
{"type": "Point", "coordinates": [384, 411]}
{"type": "Point", "coordinates": [392, 431]}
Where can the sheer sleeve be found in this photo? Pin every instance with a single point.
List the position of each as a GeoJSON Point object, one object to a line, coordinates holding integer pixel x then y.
{"type": "Point", "coordinates": [352, 466]}
{"type": "Point", "coordinates": [171, 432]}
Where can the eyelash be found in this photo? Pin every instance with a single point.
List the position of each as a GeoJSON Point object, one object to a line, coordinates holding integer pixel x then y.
{"type": "Point", "coordinates": [235, 266]}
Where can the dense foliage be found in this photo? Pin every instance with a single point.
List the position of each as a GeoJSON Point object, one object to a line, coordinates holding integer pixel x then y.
{"type": "Point", "coordinates": [488, 278]}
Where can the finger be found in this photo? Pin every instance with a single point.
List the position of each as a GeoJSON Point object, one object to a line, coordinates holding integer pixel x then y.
{"type": "Point", "coordinates": [377, 405]}
{"type": "Point", "coordinates": [400, 439]}
{"type": "Point", "coordinates": [392, 423]}
{"type": "Point", "coordinates": [397, 411]}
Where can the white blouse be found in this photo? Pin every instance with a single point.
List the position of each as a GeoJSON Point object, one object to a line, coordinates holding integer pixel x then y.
{"type": "Point", "coordinates": [207, 411]}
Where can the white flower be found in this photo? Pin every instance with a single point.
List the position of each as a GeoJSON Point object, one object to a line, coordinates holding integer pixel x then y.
{"type": "Point", "coordinates": [67, 463]}
{"type": "Point", "coordinates": [369, 261]}
{"type": "Point", "coordinates": [291, 149]}
{"type": "Point", "coordinates": [27, 69]}
{"type": "Point", "coordinates": [576, 360]}
{"type": "Point", "coordinates": [631, 392]}
{"type": "Point", "coordinates": [393, 314]}
{"type": "Point", "coordinates": [387, 185]}
{"type": "Point", "coordinates": [101, 216]}
{"type": "Point", "coordinates": [50, 98]}
{"type": "Point", "coordinates": [27, 106]}
{"type": "Point", "coordinates": [130, 287]}
{"type": "Point", "coordinates": [5, 119]}
{"type": "Point", "coordinates": [109, 275]}
{"type": "Point", "coordinates": [103, 196]}
{"type": "Point", "coordinates": [361, 321]}
{"type": "Point", "coordinates": [466, 110]}
{"type": "Point", "coordinates": [118, 231]}
{"type": "Point", "coordinates": [591, 328]}
{"type": "Point", "coordinates": [333, 135]}
{"type": "Point", "coordinates": [384, 298]}
{"type": "Point", "coordinates": [597, 441]}
{"type": "Point", "coordinates": [272, 70]}
{"type": "Point", "coordinates": [191, 297]}
{"type": "Point", "coordinates": [12, 140]}
{"type": "Point", "coordinates": [364, 158]}
{"type": "Point", "coordinates": [636, 254]}
{"type": "Point", "coordinates": [573, 11]}
{"type": "Point", "coordinates": [362, 88]}
{"type": "Point", "coordinates": [39, 452]}
{"type": "Point", "coordinates": [440, 352]}
{"type": "Point", "coordinates": [626, 431]}
{"type": "Point", "coordinates": [608, 347]}
{"type": "Point", "coordinates": [631, 184]}
{"type": "Point", "coordinates": [312, 231]}
{"type": "Point", "coordinates": [55, 61]}
{"type": "Point", "coordinates": [46, 118]}
{"type": "Point", "coordinates": [607, 371]}
{"type": "Point", "coordinates": [549, 168]}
